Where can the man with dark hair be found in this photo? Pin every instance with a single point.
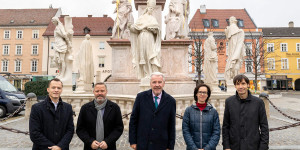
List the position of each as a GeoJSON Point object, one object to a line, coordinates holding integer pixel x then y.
{"type": "Point", "coordinates": [51, 121]}
{"type": "Point", "coordinates": [152, 122]}
{"type": "Point", "coordinates": [100, 122]}
{"type": "Point", "coordinates": [245, 124]}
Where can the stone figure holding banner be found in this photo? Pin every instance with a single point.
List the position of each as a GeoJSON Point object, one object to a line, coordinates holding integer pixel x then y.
{"type": "Point", "coordinates": [177, 19]}
{"type": "Point", "coordinates": [236, 49]}
{"type": "Point", "coordinates": [146, 43]}
{"type": "Point", "coordinates": [123, 19]}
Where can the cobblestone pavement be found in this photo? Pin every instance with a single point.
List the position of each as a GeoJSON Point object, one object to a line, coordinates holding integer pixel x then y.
{"type": "Point", "coordinates": [287, 137]}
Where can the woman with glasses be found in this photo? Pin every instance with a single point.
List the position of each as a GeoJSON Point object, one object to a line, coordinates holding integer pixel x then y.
{"type": "Point", "coordinates": [201, 126]}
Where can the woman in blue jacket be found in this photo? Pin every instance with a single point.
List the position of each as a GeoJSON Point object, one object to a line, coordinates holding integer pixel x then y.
{"type": "Point", "coordinates": [201, 125]}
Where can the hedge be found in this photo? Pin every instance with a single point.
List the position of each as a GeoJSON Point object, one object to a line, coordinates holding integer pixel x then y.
{"type": "Point", "coordinates": [37, 87]}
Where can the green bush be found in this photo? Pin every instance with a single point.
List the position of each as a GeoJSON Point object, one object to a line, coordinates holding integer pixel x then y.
{"type": "Point", "coordinates": [37, 87]}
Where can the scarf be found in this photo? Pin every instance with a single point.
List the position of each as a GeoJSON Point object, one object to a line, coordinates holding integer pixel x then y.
{"type": "Point", "coordinates": [99, 121]}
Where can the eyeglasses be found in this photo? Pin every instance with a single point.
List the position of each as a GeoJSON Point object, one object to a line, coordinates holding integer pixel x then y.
{"type": "Point", "coordinates": [202, 93]}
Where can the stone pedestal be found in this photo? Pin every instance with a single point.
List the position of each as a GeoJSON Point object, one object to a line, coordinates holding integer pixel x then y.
{"type": "Point", "coordinates": [174, 64]}
{"type": "Point", "coordinates": [231, 88]}
{"type": "Point", "coordinates": [214, 88]}
{"type": "Point", "coordinates": [144, 84]}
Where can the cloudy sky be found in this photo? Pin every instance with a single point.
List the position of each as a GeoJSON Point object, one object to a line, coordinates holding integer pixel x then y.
{"type": "Point", "coordinates": [265, 13]}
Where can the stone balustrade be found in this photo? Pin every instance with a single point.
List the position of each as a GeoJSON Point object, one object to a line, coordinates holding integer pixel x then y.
{"type": "Point", "coordinates": [126, 103]}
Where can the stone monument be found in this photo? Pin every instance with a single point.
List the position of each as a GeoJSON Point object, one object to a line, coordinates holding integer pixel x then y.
{"type": "Point", "coordinates": [177, 20]}
{"type": "Point", "coordinates": [210, 63]}
{"type": "Point", "coordinates": [236, 52]}
{"type": "Point", "coordinates": [123, 19]}
{"type": "Point", "coordinates": [86, 66]}
{"type": "Point", "coordinates": [63, 58]}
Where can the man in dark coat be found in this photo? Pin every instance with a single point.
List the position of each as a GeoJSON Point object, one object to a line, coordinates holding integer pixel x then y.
{"type": "Point", "coordinates": [152, 122]}
{"type": "Point", "coordinates": [245, 124]}
{"type": "Point", "coordinates": [100, 122]}
{"type": "Point", "coordinates": [51, 121]}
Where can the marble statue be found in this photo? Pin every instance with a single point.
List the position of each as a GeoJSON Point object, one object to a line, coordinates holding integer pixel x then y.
{"type": "Point", "coordinates": [123, 19]}
{"type": "Point", "coordinates": [146, 43]}
{"type": "Point", "coordinates": [236, 49]}
{"type": "Point", "coordinates": [63, 45]}
{"type": "Point", "coordinates": [85, 61]}
{"type": "Point", "coordinates": [177, 20]}
{"type": "Point", "coordinates": [210, 60]}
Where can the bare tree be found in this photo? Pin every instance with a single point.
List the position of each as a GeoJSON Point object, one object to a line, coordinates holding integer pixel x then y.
{"type": "Point", "coordinates": [256, 55]}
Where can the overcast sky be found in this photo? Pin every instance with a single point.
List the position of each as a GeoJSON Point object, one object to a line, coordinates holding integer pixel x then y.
{"type": "Point", "coordinates": [265, 13]}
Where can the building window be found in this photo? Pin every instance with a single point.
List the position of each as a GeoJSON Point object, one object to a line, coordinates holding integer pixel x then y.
{"type": "Point", "coordinates": [101, 62]}
{"type": "Point", "coordinates": [4, 67]}
{"type": "Point", "coordinates": [34, 50]}
{"type": "Point", "coordinates": [18, 49]}
{"type": "Point", "coordinates": [215, 23]}
{"type": "Point", "coordinates": [271, 63]}
{"type": "Point", "coordinates": [240, 23]}
{"type": "Point", "coordinates": [205, 23]}
{"type": "Point", "coordinates": [284, 47]}
{"type": "Point", "coordinates": [248, 66]}
{"type": "Point", "coordinates": [18, 64]}
{"type": "Point", "coordinates": [33, 65]}
{"type": "Point", "coordinates": [270, 47]}
{"type": "Point", "coordinates": [228, 23]}
{"type": "Point", "coordinates": [19, 34]}
{"type": "Point", "coordinates": [284, 63]}
{"type": "Point", "coordinates": [101, 45]}
{"type": "Point", "coordinates": [6, 49]}
{"type": "Point", "coordinates": [249, 49]}
{"type": "Point", "coordinates": [298, 63]}
{"type": "Point", "coordinates": [52, 45]}
{"type": "Point", "coordinates": [298, 47]}
{"type": "Point", "coordinates": [7, 34]}
{"type": "Point", "coordinates": [35, 34]}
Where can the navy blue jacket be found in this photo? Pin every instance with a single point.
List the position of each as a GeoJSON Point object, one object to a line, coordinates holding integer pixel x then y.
{"type": "Point", "coordinates": [48, 127]}
{"type": "Point", "coordinates": [201, 129]}
{"type": "Point", "coordinates": [150, 128]}
{"type": "Point", "coordinates": [113, 124]}
{"type": "Point", "coordinates": [245, 124]}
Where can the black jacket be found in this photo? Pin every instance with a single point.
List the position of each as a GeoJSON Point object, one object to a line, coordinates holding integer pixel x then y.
{"type": "Point", "coordinates": [245, 124]}
{"type": "Point", "coordinates": [48, 127]}
{"type": "Point", "coordinates": [150, 128]}
{"type": "Point", "coordinates": [113, 124]}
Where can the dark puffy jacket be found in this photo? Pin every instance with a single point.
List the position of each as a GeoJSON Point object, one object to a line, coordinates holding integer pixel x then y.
{"type": "Point", "coordinates": [201, 129]}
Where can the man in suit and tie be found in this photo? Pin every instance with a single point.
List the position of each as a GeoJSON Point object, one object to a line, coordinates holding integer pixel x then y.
{"type": "Point", "coordinates": [152, 122]}
{"type": "Point", "coordinates": [100, 122]}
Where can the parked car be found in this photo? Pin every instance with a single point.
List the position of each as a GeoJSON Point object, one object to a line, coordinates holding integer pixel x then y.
{"type": "Point", "coordinates": [10, 98]}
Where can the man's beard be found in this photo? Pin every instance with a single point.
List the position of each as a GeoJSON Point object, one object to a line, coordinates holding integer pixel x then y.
{"type": "Point", "coordinates": [100, 101]}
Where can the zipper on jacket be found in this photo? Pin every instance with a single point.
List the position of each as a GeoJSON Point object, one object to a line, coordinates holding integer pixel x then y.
{"type": "Point", "coordinates": [200, 129]}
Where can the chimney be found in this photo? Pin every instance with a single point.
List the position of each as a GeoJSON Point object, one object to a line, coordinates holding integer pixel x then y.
{"type": "Point", "coordinates": [105, 16]}
{"type": "Point", "coordinates": [291, 24]}
{"type": "Point", "coordinates": [90, 16]}
{"type": "Point", "coordinates": [202, 9]}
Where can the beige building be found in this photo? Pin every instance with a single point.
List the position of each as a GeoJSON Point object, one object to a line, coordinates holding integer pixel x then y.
{"type": "Point", "coordinates": [100, 29]}
{"type": "Point", "coordinates": [21, 42]}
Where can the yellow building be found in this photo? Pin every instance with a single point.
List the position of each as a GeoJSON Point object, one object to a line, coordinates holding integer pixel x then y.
{"type": "Point", "coordinates": [282, 57]}
{"type": "Point", "coordinates": [21, 42]}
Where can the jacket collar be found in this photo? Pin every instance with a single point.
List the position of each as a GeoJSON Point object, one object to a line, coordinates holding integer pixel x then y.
{"type": "Point", "coordinates": [164, 100]}
{"type": "Point", "coordinates": [207, 108]}
{"type": "Point", "coordinates": [107, 110]}
{"type": "Point", "coordinates": [247, 99]}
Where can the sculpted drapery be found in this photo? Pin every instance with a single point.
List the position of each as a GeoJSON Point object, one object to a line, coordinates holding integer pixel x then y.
{"type": "Point", "coordinates": [85, 61]}
{"type": "Point", "coordinates": [210, 60]}
{"type": "Point", "coordinates": [236, 49]}
{"type": "Point", "coordinates": [177, 19]}
{"type": "Point", "coordinates": [146, 44]}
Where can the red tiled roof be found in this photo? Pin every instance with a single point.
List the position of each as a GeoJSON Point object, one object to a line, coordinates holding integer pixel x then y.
{"type": "Point", "coordinates": [26, 17]}
{"type": "Point", "coordinates": [97, 25]}
{"type": "Point", "coordinates": [221, 15]}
